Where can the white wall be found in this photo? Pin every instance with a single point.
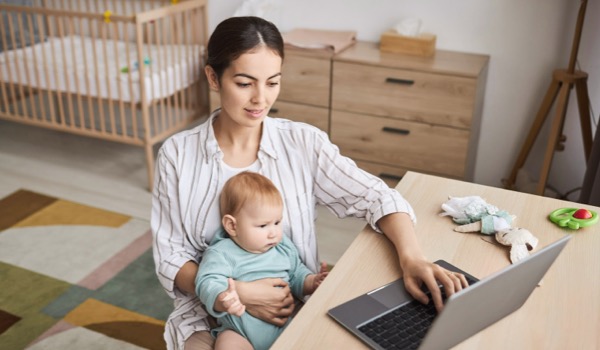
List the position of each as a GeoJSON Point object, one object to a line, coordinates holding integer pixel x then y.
{"type": "Point", "coordinates": [526, 41]}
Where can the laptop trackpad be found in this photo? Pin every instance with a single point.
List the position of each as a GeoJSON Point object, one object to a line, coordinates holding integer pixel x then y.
{"type": "Point", "coordinates": [392, 295]}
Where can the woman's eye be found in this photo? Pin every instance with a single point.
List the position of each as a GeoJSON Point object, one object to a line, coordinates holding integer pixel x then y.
{"type": "Point", "coordinates": [243, 85]}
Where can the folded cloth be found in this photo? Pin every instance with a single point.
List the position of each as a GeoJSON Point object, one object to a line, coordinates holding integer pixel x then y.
{"type": "Point", "coordinates": [328, 40]}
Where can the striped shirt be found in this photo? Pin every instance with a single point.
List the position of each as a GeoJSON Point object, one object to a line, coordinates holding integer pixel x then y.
{"type": "Point", "coordinates": [302, 163]}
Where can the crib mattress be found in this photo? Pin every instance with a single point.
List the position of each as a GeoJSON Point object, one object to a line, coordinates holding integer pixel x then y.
{"type": "Point", "coordinates": [77, 64]}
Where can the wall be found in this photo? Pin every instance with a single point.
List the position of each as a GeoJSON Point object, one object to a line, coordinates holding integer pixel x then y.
{"type": "Point", "coordinates": [526, 41]}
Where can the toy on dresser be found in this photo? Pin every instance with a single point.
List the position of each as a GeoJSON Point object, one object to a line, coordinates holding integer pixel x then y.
{"type": "Point", "coordinates": [474, 214]}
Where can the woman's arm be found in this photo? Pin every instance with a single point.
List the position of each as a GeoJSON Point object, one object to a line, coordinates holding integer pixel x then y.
{"type": "Point", "coordinates": [174, 255]}
{"type": "Point", "coordinates": [416, 270]}
{"type": "Point", "coordinates": [186, 277]}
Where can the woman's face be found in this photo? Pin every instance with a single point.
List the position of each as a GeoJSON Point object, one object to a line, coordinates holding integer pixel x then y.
{"type": "Point", "coordinates": [250, 86]}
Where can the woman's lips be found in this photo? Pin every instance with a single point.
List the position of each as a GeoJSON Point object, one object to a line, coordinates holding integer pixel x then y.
{"type": "Point", "coordinates": [256, 113]}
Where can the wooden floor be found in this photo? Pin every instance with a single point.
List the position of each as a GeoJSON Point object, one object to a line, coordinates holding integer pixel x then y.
{"type": "Point", "coordinates": [111, 176]}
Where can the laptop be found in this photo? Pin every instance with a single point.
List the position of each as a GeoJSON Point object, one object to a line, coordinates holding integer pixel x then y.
{"type": "Point", "coordinates": [377, 316]}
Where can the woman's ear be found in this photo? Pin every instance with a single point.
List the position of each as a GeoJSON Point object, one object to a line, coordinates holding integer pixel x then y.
{"type": "Point", "coordinates": [213, 79]}
{"type": "Point", "coordinates": [229, 224]}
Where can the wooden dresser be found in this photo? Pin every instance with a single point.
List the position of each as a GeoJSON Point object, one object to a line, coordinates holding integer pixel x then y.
{"type": "Point", "coordinates": [392, 113]}
{"type": "Point", "coordinates": [305, 88]}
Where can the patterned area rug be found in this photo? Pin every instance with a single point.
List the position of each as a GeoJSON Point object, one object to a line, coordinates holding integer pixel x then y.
{"type": "Point", "coordinates": [76, 277]}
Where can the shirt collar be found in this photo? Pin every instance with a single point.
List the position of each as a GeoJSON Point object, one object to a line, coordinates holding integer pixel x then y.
{"type": "Point", "coordinates": [268, 139]}
{"type": "Point", "coordinates": [211, 146]}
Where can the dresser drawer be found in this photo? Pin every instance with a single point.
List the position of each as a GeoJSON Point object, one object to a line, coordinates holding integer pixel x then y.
{"type": "Point", "coordinates": [306, 80]}
{"type": "Point", "coordinates": [398, 143]}
{"type": "Point", "coordinates": [404, 94]}
{"type": "Point", "coordinates": [389, 174]}
{"type": "Point", "coordinates": [317, 116]}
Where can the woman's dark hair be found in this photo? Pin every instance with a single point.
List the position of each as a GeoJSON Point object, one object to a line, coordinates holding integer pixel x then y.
{"type": "Point", "coordinates": [238, 35]}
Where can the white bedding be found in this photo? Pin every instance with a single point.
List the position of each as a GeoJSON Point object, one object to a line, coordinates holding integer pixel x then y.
{"type": "Point", "coordinates": [170, 68]}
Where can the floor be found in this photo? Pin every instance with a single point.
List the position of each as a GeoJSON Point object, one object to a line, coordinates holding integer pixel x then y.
{"type": "Point", "coordinates": [111, 176]}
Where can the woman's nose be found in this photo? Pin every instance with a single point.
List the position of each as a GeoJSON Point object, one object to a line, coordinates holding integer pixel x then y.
{"type": "Point", "coordinates": [258, 96]}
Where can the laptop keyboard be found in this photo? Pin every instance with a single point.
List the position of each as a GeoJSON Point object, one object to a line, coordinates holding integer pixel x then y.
{"type": "Point", "coordinates": [405, 326]}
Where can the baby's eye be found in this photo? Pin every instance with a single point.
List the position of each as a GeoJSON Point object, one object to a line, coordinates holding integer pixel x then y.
{"type": "Point", "coordinates": [263, 226]}
{"type": "Point", "coordinates": [277, 223]}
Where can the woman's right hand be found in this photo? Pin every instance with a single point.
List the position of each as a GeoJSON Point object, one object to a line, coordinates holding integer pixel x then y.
{"type": "Point", "coordinates": [268, 299]}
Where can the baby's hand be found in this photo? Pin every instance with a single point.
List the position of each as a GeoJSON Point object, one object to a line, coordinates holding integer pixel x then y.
{"type": "Point", "coordinates": [231, 300]}
{"type": "Point", "coordinates": [314, 280]}
{"type": "Point", "coordinates": [321, 275]}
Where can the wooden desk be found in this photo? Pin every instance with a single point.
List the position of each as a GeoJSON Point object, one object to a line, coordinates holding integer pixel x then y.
{"type": "Point", "coordinates": [563, 313]}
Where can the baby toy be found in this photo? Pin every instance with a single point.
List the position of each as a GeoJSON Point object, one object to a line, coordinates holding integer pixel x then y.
{"type": "Point", "coordinates": [136, 65]}
{"type": "Point", "coordinates": [476, 215]}
{"type": "Point", "coordinates": [573, 218]}
{"type": "Point", "coordinates": [520, 241]}
{"type": "Point", "coordinates": [474, 210]}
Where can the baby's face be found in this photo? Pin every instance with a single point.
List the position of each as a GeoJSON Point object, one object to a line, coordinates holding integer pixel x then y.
{"type": "Point", "coordinates": [259, 227]}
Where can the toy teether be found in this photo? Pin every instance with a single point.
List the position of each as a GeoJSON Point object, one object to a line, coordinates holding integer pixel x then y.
{"type": "Point", "coordinates": [573, 218]}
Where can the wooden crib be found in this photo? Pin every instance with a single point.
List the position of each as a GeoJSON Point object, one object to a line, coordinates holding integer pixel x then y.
{"type": "Point", "coordinates": [129, 71]}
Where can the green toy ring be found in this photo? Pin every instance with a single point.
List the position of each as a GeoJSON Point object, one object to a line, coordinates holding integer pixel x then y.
{"type": "Point", "coordinates": [564, 217]}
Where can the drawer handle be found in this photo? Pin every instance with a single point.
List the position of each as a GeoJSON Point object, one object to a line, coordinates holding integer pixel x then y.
{"type": "Point", "coordinates": [390, 176]}
{"type": "Point", "coordinates": [274, 110]}
{"type": "Point", "coordinates": [399, 81]}
{"type": "Point", "coordinates": [395, 130]}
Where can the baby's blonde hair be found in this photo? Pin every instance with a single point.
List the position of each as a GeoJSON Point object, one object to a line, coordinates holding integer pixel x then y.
{"type": "Point", "coordinates": [247, 186]}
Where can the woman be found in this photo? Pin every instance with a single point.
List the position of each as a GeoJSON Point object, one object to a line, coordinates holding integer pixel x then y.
{"type": "Point", "coordinates": [245, 56]}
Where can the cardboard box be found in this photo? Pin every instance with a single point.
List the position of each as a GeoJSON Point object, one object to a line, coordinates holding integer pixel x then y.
{"type": "Point", "coordinates": [422, 45]}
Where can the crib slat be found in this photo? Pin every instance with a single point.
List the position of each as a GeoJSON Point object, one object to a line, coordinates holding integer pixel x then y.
{"type": "Point", "coordinates": [165, 100]}
{"type": "Point", "coordinates": [74, 57]}
{"type": "Point", "coordinates": [3, 83]}
{"type": "Point", "coordinates": [49, 95]}
{"type": "Point", "coordinates": [29, 82]}
{"type": "Point", "coordinates": [186, 53]}
{"type": "Point", "coordinates": [19, 95]}
{"type": "Point", "coordinates": [30, 20]}
{"type": "Point", "coordinates": [104, 27]}
{"type": "Point", "coordinates": [115, 37]}
{"type": "Point", "coordinates": [134, 123]}
{"type": "Point", "coordinates": [176, 57]}
{"type": "Point", "coordinates": [152, 106]}
{"type": "Point", "coordinates": [69, 95]}
{"type": "Point", "coordinates": [57, 93]}
{"type": "Point", "coordinates": [97, 80]}
{"type": "Point", "coordinates": [81, 6]}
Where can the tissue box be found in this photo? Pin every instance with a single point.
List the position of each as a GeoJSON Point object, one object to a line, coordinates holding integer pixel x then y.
{"type": "Point", "coordinates": [422, 45]}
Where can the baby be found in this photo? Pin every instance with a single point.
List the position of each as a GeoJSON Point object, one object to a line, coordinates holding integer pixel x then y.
{"type": "Point", "coordinates": [251, 246]}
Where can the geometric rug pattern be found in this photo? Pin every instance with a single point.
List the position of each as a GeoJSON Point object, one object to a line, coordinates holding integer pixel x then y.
{"type": "Point", "coordinates": [76, 277]}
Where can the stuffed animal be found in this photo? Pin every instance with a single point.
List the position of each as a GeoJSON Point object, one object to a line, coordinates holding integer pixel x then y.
{"type": "Point", "coordinates": [487, 218]}
{"type": "Point", "coordinates": [520, 241]}
{"type": "Point", "coordinates": [476, 215]}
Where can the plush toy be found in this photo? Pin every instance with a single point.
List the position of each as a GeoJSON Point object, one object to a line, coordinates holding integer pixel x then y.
{"type": "Point", "coordinates": [476, 215]}
{"type": "Point", "coordinates": [485, 217]}
{"type": "Point", "coordinates": [520, 241]}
